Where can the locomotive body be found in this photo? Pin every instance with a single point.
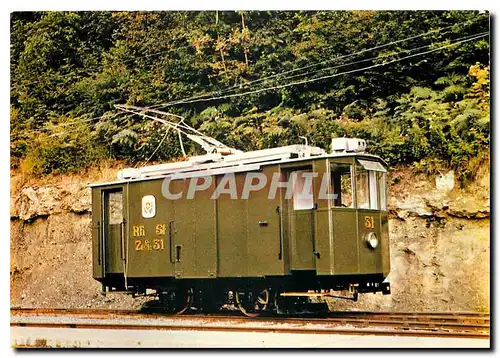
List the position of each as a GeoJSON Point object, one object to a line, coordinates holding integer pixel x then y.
{"type": "Point", "coordinates": [257, 227]}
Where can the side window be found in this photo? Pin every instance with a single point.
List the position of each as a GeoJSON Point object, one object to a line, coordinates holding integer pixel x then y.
{"type": "Point", "coordinates": [115, 208]}
{"type": "Point", "coordinates": [342, 185]}
{"type": "Point", "coordinates": [362, 188]}
{"type": "Point", "coordinates": [373, 190]}
{"type": "Point", "coordinates": [382, 180]}
{"type": "Point", "coordinates": [302, 190]}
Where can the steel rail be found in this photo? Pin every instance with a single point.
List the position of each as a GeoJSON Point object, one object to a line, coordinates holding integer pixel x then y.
{"type": "Point", "coordinates": [356, 313]}
{"type": "Point", "coordinates": [467, 324]}
{"type": "Point", "coordinates": [471, 317]}
{"type": "Point", "coordinates": [294, 330]}
{"type": "Point", "coordinates": [459, 327]}
{"type": "Point", "coordinates": [430, 317]}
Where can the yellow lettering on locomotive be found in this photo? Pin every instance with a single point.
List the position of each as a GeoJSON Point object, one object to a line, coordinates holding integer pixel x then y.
{"type": "Point", "coordinates": [369, 222]}
{"type": "Point", "coordinates": [149, 245]}
{"type": "Point", "coordinates": [161, 229]}
{"type": "Point", "coordinates": [138, 231]}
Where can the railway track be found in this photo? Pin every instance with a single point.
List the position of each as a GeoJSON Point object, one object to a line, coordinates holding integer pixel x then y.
{"type": "Point", "coordinates": [423, 324]}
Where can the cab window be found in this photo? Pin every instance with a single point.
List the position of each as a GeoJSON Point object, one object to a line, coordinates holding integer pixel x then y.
{"type": "Point", "coordinates": [342, 185]}
{"type": "Point", "coordinates": [302, 190]}
{"type": "Point", "coordinates": [382, 181]}
{"type": "Point", "coordinates": [370, 185]}
{"type": "Point", "coordinates": [114, 207]}
{"type": "Point", "coordinates": [362, 188]}
{"type": "Point", "coordinates": [372, 179]}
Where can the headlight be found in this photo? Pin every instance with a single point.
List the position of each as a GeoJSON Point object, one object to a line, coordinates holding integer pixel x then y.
{"type": "Point", "coordinates": [372, 240]}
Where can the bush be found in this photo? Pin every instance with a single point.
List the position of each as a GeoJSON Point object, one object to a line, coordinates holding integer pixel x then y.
{"type": "Point", "coordinates": [59, 154]}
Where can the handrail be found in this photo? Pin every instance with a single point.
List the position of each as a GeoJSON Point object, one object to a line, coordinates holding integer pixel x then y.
{"type": "Point", "coordinates": [170, 241]}
{"type": "Point", "coordinates": [280, 254]}
{"type": "Point", "coordinates": [99, 243]}
{"type": "Point", "coordinates": [122, 236]}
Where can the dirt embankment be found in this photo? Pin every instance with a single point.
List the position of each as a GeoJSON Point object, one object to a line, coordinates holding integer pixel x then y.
{"type": "Point", "coordinates": [439, 233]}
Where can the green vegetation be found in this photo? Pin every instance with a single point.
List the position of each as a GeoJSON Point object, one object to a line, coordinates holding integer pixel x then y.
{"type": "Point", "coordinates": [68, 69]}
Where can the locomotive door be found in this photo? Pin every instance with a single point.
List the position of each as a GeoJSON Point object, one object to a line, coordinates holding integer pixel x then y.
{"type": "Point", "coordinates": [193, 231]}
{"type": "Point", "coordinates": [183, 233]}
{"type": "Point", "coordinates": [344, 218]}
{"type": "Point", "coordinates": [300, 214]}
{"type": "Point", "coordinates": [112, 253]}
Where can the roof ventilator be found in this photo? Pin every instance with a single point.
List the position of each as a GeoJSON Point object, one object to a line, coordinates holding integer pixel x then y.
{"type": "Point", "coordinates": [348, 145]}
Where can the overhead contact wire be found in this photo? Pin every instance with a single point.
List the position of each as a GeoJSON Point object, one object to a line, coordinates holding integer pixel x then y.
{"type": "Point", "coordinates": [235, 88]}
{"type": "Point", "coordinates": [333, 75]}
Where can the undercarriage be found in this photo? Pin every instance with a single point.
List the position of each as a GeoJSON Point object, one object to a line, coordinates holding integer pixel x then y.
{"type": "Point", "coordinates": [302, 292]}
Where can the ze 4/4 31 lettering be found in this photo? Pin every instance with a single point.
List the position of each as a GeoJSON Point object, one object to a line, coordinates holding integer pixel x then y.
{"type": "Point", "coordinates": [149, 245]}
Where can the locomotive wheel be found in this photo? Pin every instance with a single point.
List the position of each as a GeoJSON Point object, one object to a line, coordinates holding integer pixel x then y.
{"type": "Point", "coordinates": [177, 302]}
{"type": "Point", "coordinates": [253, 305]}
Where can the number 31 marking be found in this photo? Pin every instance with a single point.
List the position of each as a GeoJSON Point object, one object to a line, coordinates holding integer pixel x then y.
{"type": "Point", "coordinates": [369, 222]}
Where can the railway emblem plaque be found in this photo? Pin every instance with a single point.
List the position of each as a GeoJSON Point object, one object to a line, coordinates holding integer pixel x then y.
{"type": "Point", "coordinates": [148, 206]}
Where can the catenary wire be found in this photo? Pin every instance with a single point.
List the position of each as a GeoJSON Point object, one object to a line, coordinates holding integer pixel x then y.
{"type": "Point", "coordinates": [375, 58]}
{"type": "Point", "coordinates": [333, 75]}
{"type": "Point", "coordinates": [476, 36]}
{"type": "Point", "coordinates": [363, 51]}
{"type": "Point", "coordinates": [234, 88]}
{"type": "Point", "coordinates": [464, 40]}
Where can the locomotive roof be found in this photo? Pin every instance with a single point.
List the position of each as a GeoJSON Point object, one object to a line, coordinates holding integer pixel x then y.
{"type": "Point", "coordinates": [207, 169]}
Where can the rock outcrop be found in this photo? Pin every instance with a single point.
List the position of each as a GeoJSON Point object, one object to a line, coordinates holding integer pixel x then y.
{"type": "Point", "coordinates": [439, 202]}
{"type": "Point", "coordinates": [35, 202]}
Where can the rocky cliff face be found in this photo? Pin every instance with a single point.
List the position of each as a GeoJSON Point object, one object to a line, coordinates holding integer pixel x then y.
{"type": "Point", "coordinates": [439, 246]}
{"type": "Point", "coordinates": [51, 248]}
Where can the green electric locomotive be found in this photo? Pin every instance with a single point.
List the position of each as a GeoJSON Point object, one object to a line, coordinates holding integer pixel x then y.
{"type": "Point", "coordinates": [261, 230]}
